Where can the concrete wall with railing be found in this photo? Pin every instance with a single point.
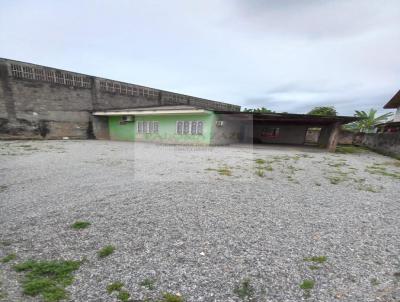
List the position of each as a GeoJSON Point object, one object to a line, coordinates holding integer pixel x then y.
{"type": "Point", "coordinates": [44, 102]}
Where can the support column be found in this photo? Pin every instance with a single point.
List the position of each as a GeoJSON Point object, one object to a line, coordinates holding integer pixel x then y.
{"type": "Point", "coordinates": [333, 137]}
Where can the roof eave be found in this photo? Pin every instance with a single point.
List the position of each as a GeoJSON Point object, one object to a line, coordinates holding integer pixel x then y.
{"type": "Point", "coordinates": [394, 102]}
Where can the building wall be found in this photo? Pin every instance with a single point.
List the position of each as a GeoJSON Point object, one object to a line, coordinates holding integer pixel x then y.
{"type": "Point", "coordinates": [385, 143]}
{"type": "Point", "coordinates": [43, 102]}
{"type": "Point", "coordinates": [346, 137]}
{"type": "Point", "coordinates": [121, 131]}
{"type": "Point", "coordinates": [396, 117]}
{"type": "Point", "coordinates": [166, 132]}
{"type": "Point", "coordinates": [100, 127]}
{"type": "Point", "coordinates": [229, 132]}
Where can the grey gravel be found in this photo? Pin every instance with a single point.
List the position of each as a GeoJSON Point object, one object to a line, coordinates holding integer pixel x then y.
{"type": "Point", "coordinates": [174, 219]}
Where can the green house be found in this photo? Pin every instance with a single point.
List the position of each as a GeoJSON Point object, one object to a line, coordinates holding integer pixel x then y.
{"type": "Point", "coordinates": [165, 124]}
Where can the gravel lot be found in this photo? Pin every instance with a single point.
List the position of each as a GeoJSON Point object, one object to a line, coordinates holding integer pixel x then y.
{"type": "Point", "coordinates": [200, 220]}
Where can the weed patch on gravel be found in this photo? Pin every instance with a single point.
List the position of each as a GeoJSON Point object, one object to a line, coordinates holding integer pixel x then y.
{"type": "Point", "coordinates": [225, 171]}
{"type": "Point", "coordinates": [47, 278]}
{"type": "Point", "coordinates": [123, 296]}
{"type": "Point", "coordinates": [260, 173]}
{"type": "Point", "coordinates": [307, 286]}
{"type": "Point", "coordinates": [244, 290]}
{"type": "Point", "coordinates": [148, 283]}
{"type": "Point", "coordinates": [8, 258]}
{"type": "Point", "coordinates": [381, 170]}
{"type": "Point", "coordinates": [168, 297]}
{"type": "Point", "coordinates": [115, 286]}
{"type": "Point", "coordinates": [374, 282]}
{"type": "Point", "coordinates": [260, 161]}
{"type": "Point", "coordinates": [316, 259]}
{"type": "Point", "coordinates": [106, 251]}
{"type": "Point", "coordinates": [350, 149]}
{"type": "Point", "coordinates": [78, 225]}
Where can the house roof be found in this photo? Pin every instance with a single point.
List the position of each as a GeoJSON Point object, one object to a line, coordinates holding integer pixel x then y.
{"type": "Point", "coordinates": [394, 101]}
{"type": "Point", "coordinates": [244, 116]}
{"type": "Point", "coordinates": [388, 124]}
{"type": "Point", "coordinates": [156, 110]}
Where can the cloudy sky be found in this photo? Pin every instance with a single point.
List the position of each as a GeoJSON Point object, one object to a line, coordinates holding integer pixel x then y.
{"type": "Point", "coordinates": [286, 55]}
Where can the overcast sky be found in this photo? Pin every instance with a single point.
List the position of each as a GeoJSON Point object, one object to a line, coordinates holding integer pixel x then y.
{"type": "Point", "coordinates": [288, 56]}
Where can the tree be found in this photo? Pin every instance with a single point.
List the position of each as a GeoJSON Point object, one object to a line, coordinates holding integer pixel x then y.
{"type": "Point", "coordinates": [323, 110]}
{"type": "Point", "coordinates": [368, 120]}
{"type": "Point", "coordinates": [258, 110]}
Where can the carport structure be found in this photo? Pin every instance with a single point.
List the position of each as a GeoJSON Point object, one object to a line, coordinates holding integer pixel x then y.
{"type": "Point", "coordinates": [285, 128]}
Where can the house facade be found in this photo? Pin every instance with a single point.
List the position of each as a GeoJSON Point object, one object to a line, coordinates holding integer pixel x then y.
{"type": "Point", "coordinates": [191, 125]}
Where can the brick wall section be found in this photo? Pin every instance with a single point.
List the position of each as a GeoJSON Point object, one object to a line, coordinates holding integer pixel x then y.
{"type": "Point", "coordinates": [37, 108]}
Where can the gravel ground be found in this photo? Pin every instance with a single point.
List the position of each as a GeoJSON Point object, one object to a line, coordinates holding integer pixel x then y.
{"type": "Point", "coordinates": [200, 220]}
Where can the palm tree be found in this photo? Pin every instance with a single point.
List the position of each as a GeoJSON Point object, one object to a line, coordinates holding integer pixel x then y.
{"type": "Point", "coordinates": [368, 120]}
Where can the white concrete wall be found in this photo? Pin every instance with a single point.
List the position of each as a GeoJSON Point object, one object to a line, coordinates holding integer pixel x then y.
{"type": "Point", "coordinates": [397, 115]}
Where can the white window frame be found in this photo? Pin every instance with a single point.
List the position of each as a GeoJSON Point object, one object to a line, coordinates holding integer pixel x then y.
{"type": "Point", "coordinates": [193, 127]}
{"type": "Point", "coordinates": [198, 127]}
{"type": "Point", "coordinates": [177, 127]}
{"type": "Point", "coordinates": [200, 132]}
{"type": "Point", "coordinates": [139, 127]}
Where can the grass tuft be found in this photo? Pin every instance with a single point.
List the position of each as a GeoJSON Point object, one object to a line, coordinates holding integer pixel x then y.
{"type": "Point", "coordinates": [260, 173]}
{"type": "Point", "coordinates": [260, 161]}
{"type": "Point", "coordinates": [106, 251]}
{"type": "Point", "coordinates": [335, 179]}
{"type": "Point", "coordinates": [8, 258]}
{"type": "Point", "coordinates": [379, 170]}
{"type": "Point", "coordinates": [115, 286]}
{"type": "Point", "coordinates": [307, 284]}
{"type": "Point", "coordinates": [168, 297]}
{"type": "Point", "coordinates": [123, 296]}
{"type": "Point", "coordinates": [317, 259]}
{"type": "Point", "coordinates": [47, 278]}
{"type": "Point", "coordinates": [78, 225]}
{"type": "Point", "coordinates": [224, 171]}
{"type": "Point", "coordinates": [350, 149]}
{"type": "Point", "coordinates": [148, 283]}
{"type": "Point", "coordinates": [244, 290]}
{"type": "Point", "coordinates": [374, 282]}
